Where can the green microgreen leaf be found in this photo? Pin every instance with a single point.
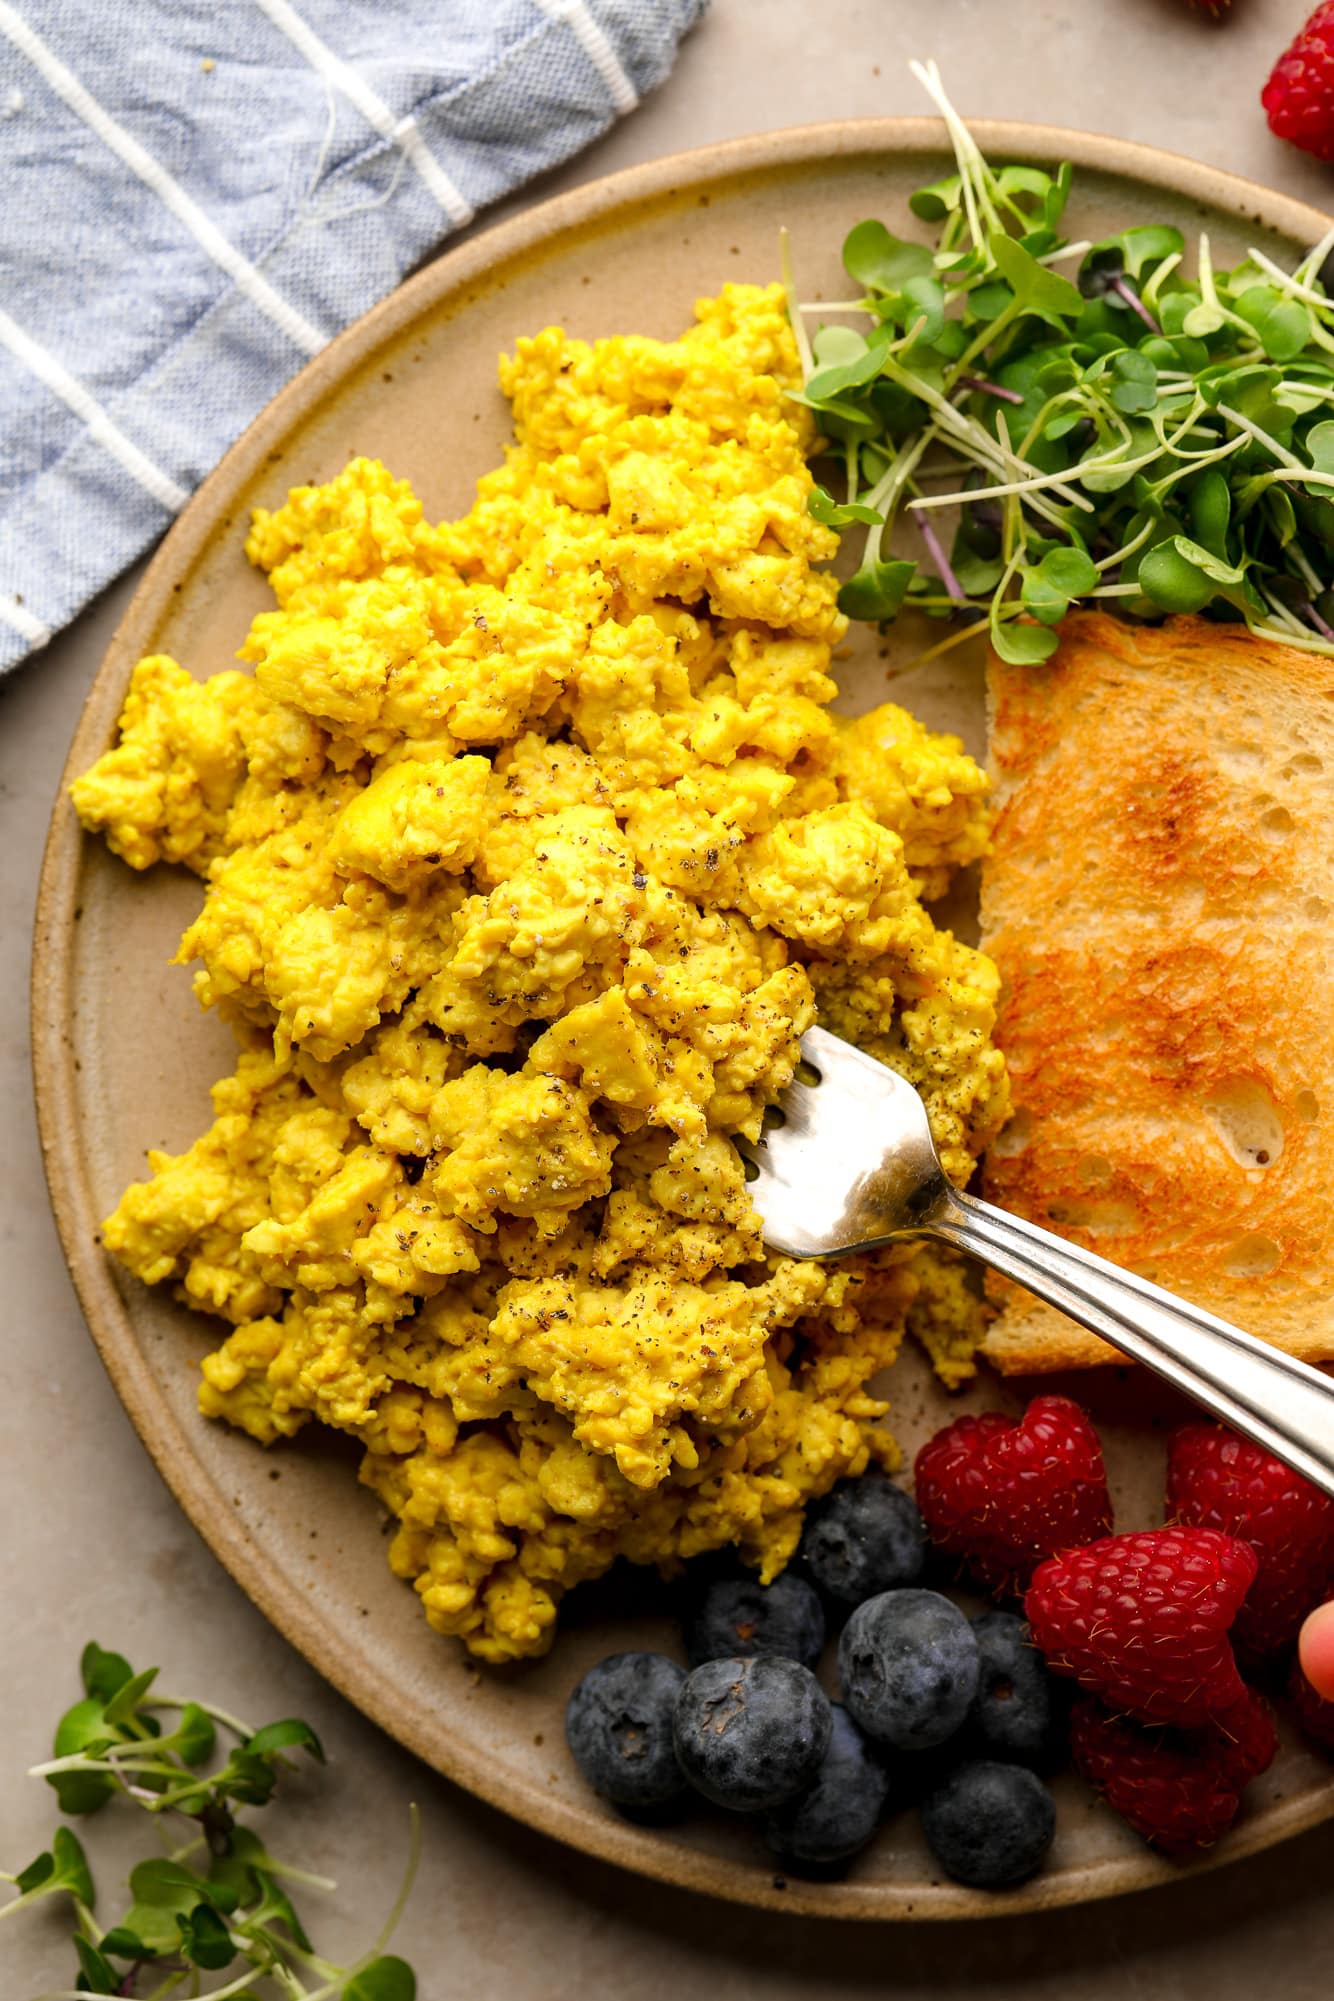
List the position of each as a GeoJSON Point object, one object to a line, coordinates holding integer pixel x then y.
{"type": "Point", "coordinates": [843, 420]}
{"type": "Point", "coordinates": [975, 574]}
{"type": "Point", "coordinates": [103, 1674]}
{"type": "Point", "coordinates": [1036, 288]}
{"type": "Point", "coordinates": [1022, 645]}
{"type": "Point", "coordinates": [96, 1973]}
{"type": "Point", "coordinates": [1181, 575]}
{"type": "Point", "coordinates": [856, 370]}
{"type": "Point", "coordinates": [248, 1779]}
{"type": "Point", "coordinates": [275, 1907]}
{"type": "Point", "coordinates": [83, 1729]}
{"type": "Point", "coordinates": [62, 1866]}
{"type": "Point", "coordinates": [877, 590]}
{"type": "Point", "coordinates": [1283, 325]}
{"type": "Point", "coordinates": [166, 1891]}
{"type": "Point", "coordinates": [289, 1735]}
{"type": "Point", "coordinates": [195, 1735]}
{"type": "Point", "coordinates": [124, 1703]}
{"type": "Point", "coordinates": [840, 514]}
{"type": "Point", "coordinates": [1127, 255]}
{"type": "Point", "coordinates": [941, 198]}
{"type": "Point", "coordinates": [40, 1870]}
{"type": "Point", "coordinates": [122, 1943]}
{"type": "Point", "coordinates": [1319, 445]}
{"type": "Point", "coordinates": [1149, 243]}
{"type": "Point", "coordinates": [882, 262]}
{"type": "Point", "coordinates": [834, 345]}
{"type": "Point", "coordinates": [204, 1938]}
{"type": "Point", "coordinates": [1051, 586]}
{"type": "Point", "coordinates": [236, 1867]}
{"type": "Point", "coordinates": [1203, 319]}
{"type": "Point", "coordinates": [1134, 381]}
{"type": "Point", "coordinates": [1281, 513]}
{"type": "Point", "coordinates": [72, 1872]}
{"type": "Point", "coordinates": [988, 302]}
{"type": "Point", "coordinates": [1211, 511]}
{"type": "Point", "coordinates": [384, 1979]}
{"type": "Point", "coordinates": [921, 309]}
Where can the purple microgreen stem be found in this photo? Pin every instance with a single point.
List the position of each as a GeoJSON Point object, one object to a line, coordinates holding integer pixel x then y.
{"type": "Point", "coordinates": [1135, 303]}
{"type": "Point", "coordinates": [990, 388]}
{"type": "Point", "coordinates": [936, 550]}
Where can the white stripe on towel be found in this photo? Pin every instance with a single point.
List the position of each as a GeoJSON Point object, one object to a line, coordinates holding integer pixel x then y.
{"type": "Point", "coordinates": [574, 14]}
{"type": "Point", "coordinates": [21, 620]}
{"type": "Point", "coordinates": [377, 114]}
{"type": "Point", "coordinates": [112, 439]}
{"type": "Point", "coordinates": [239, 269]}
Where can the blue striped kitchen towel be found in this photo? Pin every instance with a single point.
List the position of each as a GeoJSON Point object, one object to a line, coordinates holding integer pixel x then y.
{"type": "Point", "coordinates": [195, 195]}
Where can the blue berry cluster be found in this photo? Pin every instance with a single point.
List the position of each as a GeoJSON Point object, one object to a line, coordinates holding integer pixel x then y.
{"type": "Point", "coordinates": [959, 1715]}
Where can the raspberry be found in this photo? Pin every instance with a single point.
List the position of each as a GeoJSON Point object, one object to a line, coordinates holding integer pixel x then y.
{"type": "Point", "coordinates": [1216, 1480]}
{"type": "Point", "coordinates": [1299, 96]}
{"type": "Point", "coordinates": [1245, 1737]}
{"type": "Point", "coordinates": [1004, 1492]}
{"type": "Point", "coordinates": [1143, 1619]}
{"type": "Point", "coordinates": [1180, 1789]}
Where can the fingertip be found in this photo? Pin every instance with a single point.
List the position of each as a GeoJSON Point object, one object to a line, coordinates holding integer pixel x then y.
{"type": "Point", "coordinates": [1316, 1650]}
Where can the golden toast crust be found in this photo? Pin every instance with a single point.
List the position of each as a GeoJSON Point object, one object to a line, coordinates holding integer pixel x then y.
{"type": "Point", "coordinates": [1159, 901]}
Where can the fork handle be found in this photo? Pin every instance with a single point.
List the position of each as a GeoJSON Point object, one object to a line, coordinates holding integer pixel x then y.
{"type": "Point", "coordinates": [1281, 1403]}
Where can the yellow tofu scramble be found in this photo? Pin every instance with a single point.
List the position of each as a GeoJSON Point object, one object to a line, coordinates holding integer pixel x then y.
{"type": "Point", "coordinates": [531, 848]}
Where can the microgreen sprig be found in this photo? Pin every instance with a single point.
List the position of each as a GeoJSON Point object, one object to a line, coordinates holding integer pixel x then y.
{"type": "Point", "coordinates": [1127, 434]}
{"type": "Point", "coordinates": [217, 1903]}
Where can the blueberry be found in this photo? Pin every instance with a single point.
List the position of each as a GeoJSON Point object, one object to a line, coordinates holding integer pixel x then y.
{"type": "Point", "coordinates": [1017, 1711]}
{"type": "Point", "coordinates": [618, 1725]}
{"type": "Point", "coordinates": [737, 1616]}
{"type": "Point", "coordinates": [989, 1824]}
{"type": "Point", "coordinates": [908, 1665]}
{"type": "Point", "coordinates": [750, 1732]}
{"type": "Point", "coordinates": [864, 1537]}
{"type": "Point", "coordinates": [837, 1815]}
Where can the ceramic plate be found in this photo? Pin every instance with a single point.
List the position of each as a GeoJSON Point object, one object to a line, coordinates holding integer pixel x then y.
{"type": "Point", "coordinates": [124, 1057]}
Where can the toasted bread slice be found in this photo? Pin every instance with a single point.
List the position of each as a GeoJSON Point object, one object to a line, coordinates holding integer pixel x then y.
{"type": "Point", "coordinates": [1160, 901]}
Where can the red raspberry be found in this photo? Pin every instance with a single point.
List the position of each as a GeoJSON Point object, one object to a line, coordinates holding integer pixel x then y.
{"type": "Point", "coordinates": [1142, 1620]}
{"type": "Point", "coordinates": [1004, 1492]}
{"type": "Point", "coordinates": [1299, 96]}
{"type": "Point", "coordinates": [1180, 1789]}
{"type": "Point", "coordinates": [1216, 1480]}
{"type": "Point", "coordinates": [1246, 1739]}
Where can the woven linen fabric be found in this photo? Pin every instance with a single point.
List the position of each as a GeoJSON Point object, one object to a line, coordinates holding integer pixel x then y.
{"type": "Point", "coordinates": [195, 195]}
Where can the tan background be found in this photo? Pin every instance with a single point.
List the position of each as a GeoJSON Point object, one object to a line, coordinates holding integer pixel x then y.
{"type": "Point", "coordinates": [93, 1544]}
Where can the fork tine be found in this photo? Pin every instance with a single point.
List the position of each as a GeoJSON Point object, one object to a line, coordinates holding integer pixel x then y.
{"type": "Point", "coordinates": [846, 1165]}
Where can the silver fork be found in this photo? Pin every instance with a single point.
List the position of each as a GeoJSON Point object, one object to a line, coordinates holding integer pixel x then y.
{"type": "Point", "coordinates": [848, 1162]}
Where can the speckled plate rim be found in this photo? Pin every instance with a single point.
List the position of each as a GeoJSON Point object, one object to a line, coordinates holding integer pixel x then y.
{"type": "Point", "coordinates": [457, 276]}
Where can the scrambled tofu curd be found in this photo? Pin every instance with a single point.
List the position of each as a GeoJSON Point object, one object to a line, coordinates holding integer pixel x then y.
{"type": "Point", "coordinates": [531, 847]}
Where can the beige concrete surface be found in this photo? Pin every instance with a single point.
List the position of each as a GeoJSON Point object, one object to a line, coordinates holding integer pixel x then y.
{"type": "Point", "coordinates": [93, 1545]}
